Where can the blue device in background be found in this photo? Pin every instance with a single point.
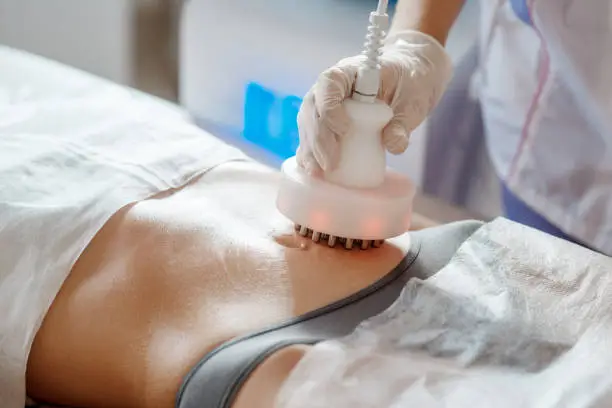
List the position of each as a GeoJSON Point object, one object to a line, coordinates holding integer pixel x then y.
{"type": "Point", "coordinates": [270, 120]}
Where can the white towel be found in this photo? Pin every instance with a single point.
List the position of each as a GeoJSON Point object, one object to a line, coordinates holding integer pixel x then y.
{"type": "Point", "coordinates": [516, 319]}
{"type": "Point", "coordinates": [73, 151]}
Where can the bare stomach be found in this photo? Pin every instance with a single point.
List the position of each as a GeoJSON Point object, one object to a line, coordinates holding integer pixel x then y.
{"type": "Point", "coordinates": [168, 279]}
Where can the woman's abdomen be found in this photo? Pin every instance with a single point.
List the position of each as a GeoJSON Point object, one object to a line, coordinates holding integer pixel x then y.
{"type": "Point", "coordinates": [168, 279]}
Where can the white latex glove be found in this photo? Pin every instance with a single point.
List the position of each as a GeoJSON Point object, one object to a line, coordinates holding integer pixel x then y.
{"type": "Point", "coordinates": [415, 70]}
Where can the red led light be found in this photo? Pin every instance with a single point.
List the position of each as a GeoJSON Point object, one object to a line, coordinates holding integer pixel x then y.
{"type": "Point", "coordinates": [319, 220]}
{"type": "Point", "coordinates": [372, 226]}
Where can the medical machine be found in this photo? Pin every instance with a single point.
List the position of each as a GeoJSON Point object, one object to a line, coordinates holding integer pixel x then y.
{"type": "Point", "coordinates": [361, 202]}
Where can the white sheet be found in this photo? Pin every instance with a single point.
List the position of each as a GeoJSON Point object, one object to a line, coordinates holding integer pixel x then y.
{"type": "Point", "coordinates": [517, 319]}
{"type": "Point", "coordinates": [73, 150]}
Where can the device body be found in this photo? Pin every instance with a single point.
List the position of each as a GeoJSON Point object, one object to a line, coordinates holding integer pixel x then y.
{"type": "Point", "coordinates": [362, 156]}
{"type": "Point", "coordinates": [360, 200]}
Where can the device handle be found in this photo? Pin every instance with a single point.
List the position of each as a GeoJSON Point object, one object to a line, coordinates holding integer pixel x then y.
{"type": "Point", "coordinates": [363, 159]}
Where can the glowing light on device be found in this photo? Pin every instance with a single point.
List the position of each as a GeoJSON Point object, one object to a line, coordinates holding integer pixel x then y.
{"type": "Point", "coordinates": [270, 120]}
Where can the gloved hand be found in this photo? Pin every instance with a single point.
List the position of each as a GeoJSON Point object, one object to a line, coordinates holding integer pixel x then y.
{"type": "Point", "coordinates": [415, 70]}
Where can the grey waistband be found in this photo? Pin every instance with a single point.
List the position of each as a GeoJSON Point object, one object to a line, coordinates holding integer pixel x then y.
{"type": "Point", "coordinates": [216, 379]}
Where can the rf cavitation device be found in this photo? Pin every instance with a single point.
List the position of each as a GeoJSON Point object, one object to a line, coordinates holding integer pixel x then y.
{"type": "Point", "coordinates": [361, 203]}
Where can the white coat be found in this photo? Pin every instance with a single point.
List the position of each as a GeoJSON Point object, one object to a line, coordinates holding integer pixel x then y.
{"type": "Point", "coordinates": [546, 95]}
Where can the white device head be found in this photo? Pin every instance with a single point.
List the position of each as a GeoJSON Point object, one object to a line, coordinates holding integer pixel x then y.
{"type": "Point", "coordinates": [334, 213]}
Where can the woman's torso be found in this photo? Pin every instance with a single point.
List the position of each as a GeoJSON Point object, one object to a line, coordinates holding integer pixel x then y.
{"type": "Point", "coordinates": [169, 278]}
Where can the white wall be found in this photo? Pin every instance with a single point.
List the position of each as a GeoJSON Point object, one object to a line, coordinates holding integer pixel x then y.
{"type": "Point", "coordinates": [94, 35]}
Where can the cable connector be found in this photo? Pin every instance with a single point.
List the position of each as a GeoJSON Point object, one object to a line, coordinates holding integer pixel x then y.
{"type": "Point", "coordinates": [367, 82]}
